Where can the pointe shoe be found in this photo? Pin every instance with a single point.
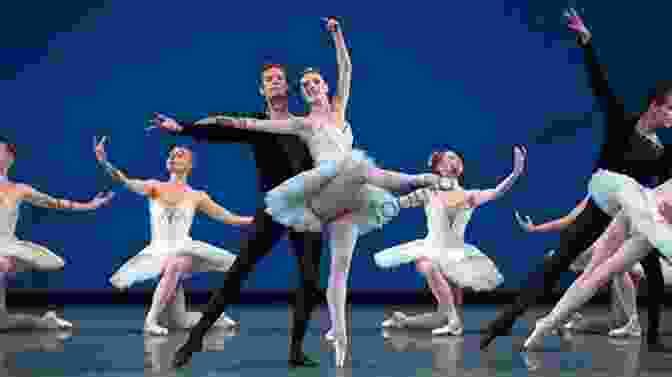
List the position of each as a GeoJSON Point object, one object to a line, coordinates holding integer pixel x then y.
{"type": "Point", "coordinates": [60, 323]}
{"type": "Point", "coordinates": [396, 320]}
{"type": "Point", "coordinates": [340, 345]}
{"type": "Point", "coordinates": [632, 328]}
{"type": "Point", "coordinates": [225, 321]}
{"type": "Point", "coordinates": [455, 327]}
{"type": "Point", "coordinates": [573, 322]}
{"type": "Point", "coordinates": [155, 329]}
{"type": "Point", "coordinates": [541, 330]}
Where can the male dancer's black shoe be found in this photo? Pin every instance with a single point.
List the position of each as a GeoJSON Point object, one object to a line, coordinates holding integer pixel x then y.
{"type": "Point", "coordinates": [499, 327]}
{"type": "Point", "coordinates": [185, 352]}
{"type": "Point", "coordinates": [302, 360]}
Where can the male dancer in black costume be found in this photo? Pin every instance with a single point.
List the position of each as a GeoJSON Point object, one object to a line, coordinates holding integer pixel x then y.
{"type": "Point", "coordinates": [278, 157]}
{"type": "Point", "coordinates": [631, 148]}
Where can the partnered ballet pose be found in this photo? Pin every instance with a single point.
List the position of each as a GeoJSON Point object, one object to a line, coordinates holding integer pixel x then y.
{"type": "Point", "coordinates": [630, 147]}
{"type": "Point", "coordinates": [346, 192]}
{"type": "Point", "coordinates": [20, 256]}
{"type": "Point", "coordinates": [623, 286]}
{"type": "Point", "coordinates": [448, 263]}
{"type": "Point", "coordinates": [171, 254]}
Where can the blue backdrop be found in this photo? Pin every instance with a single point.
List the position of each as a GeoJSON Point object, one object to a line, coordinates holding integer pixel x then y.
{"type": "Point", "coordinates": [475, 78]}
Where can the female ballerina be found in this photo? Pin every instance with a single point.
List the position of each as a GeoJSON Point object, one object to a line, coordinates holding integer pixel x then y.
{"type": "Point", "coordinates": [624, 290]}
{"type": "Point", "coordinates": [642, 222]}
{"type": "Point", "coordinates": [345, 191]}
{"type": "Point", "coordinates": [19, 256]}
{"type": "Point", "coordinates": [448, 263]}
{"type": "Point", "coordinates": [172, 255]}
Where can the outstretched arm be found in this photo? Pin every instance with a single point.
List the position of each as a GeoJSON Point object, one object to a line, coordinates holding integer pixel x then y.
{"type": "Point", "coordinates": [480, 197]}
{"type": "Point", "coordinates": [344, 67]}
{"type": "Point", "coordinates": [612, 106]}
{"type": "Point", "coordinates": [40, 199]}
{"type": "Point", "coordinates": [554, 225]}
{"type": "Point", "coordinates": [219, 213]}
{"type": "Point", "coordinates": [277, 126]}
{"type": "Point", "coordinates": [207, 132]}
{"type": "Point", "coordinates": [141, 187]}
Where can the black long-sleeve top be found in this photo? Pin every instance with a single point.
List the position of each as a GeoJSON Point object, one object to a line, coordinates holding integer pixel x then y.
{"type": "Point", "coordinates": [278, 157]}
{"type": "Point", "coordinates": [625, 150]}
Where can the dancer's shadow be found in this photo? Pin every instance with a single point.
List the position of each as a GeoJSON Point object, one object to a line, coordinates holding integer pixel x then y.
{"type": "Point", "coordinates": [592, 355]}
{"type": "Point", "coordinates": [448, 351]}
{"type": "Point", "coordinates": [160, 350]}
{"type": "Point", "coordinates": [16, 342]}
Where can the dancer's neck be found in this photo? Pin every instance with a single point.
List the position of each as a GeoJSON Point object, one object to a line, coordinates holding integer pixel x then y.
{"type": "Point", "coordinates": [178, 178]}
{"type": "Point", "coordinates": [278, 108]}
{"type": "Point", "coordinates": [320, 107]}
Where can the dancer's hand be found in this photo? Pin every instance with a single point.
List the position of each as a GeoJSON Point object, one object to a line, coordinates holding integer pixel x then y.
{"type": "Point", "coordinates": [575, 24]}
{"type": "Point", "coordinates": [665, 210]}
{"type": "Point", "coordinates": [526, 224]}
{"type": "Point", "coordinates": [246, 220]}
{"type": "Point", "coordinates": [99, 148]}
{"type": "Point", "coordinates": [165, 123]}
{"type": "Point", "coordinates": [100, 199]}
{"type": "Point", "coordinates": [332, 24]}
{"type": "Point", "coordinates": [519, 157]}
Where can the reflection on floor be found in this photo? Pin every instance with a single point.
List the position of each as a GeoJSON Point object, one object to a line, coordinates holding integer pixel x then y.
{"type": "Point", "coordinates": [108, 342]}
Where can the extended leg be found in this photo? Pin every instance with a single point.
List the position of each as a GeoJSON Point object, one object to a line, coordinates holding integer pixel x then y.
{"type": "Point", "coordinates": [574, 239]}
{"type": "Point", "coordinates": [342, 239]}
{"type": "Point", "coordinates": [259, 244]}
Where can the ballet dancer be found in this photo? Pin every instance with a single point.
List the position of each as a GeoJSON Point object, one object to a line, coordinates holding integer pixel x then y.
{"type": "Point", "coordinates": [448, 263]}
{"type": "Point", "coordinates": [172, 256]}
{"type": "Point", "coordinates": [623, 285]}
{"type": "Point", "coordinates": [642, 222]}
{"type": "Point", "coordinates": [346, 191]}
{"type": "Point", "coordinates": [631, 147]}
{"type": "Point", "coordinates": [19, 256]}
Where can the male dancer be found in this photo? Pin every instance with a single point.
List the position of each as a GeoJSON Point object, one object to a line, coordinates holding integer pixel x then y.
{"type": "Point", "coordinates": [278, 157]}
{"type": "Point", "coordinates": [631, 147]}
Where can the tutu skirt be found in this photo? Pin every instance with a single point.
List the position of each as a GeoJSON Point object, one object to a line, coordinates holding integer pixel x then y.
{"type": "Point", "coordinates": [30, 256]}
{"type": "Point", "coordinates": [614, 192]}
{"type": "Point", "coordinates": [288, 205]}
{"type": "Point", "coordinates": [148, 264]}
{"type": "Point", "coordinates": [466, 266]}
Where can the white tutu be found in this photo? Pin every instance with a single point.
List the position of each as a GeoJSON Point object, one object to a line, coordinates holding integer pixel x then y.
{"type": "Point", "coordinates": [30, 256]}
{"type": "Point", "coordinates": [465, 266]}
{"type": "Point", "coordinates": [149, 262]}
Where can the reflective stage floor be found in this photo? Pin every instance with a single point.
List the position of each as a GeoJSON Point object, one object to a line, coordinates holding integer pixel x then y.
{"type": "Point", "coordinates": [107, 341]}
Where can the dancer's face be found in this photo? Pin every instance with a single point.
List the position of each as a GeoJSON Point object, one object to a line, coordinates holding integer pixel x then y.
{"type": "Point", "coordinates": [180, 160]}
{"type": "Point", "coordinates": [450, 165]}
{"type": "Point", "coordinates": [313, 87]}
{"type": "Point", "coordinates": [274, 83]}
{"type": "Point", "coordinates": [661, 113]}
{"type": "Point", "coordinates": [6, 155]}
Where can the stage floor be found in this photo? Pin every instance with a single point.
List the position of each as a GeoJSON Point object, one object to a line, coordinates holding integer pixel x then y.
{"type": "Point", "coordinates": [108, 342]}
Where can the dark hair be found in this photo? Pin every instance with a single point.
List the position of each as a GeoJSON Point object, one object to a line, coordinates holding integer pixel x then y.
{"type": "Point", "coordinates": [436, 157]}
{"type": "Point", "coordinates": [10, 146]}
{"type": "Point", "coordinates": [658, 93]}
{"type": "Point", "coordinates": [305, 72]}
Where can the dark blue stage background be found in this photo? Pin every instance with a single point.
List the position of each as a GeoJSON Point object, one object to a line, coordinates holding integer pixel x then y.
{"type": "Point", "coordinates": [477, 77]}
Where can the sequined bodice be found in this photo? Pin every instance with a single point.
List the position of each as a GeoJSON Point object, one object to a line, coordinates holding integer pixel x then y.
{"type": "Point", "coordinates": [170, 223]}
{"type": "Point", "coordinates": [329, 143]}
